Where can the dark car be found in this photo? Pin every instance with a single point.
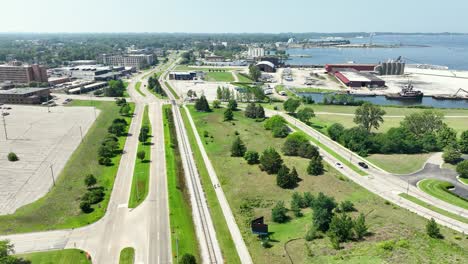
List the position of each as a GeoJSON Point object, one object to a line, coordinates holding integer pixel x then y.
{"type": "Point", "coordinates": [362, 164]}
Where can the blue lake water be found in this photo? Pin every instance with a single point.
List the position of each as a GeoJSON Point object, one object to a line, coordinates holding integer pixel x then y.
{"type": "Point", "coordinates": [447, 50]}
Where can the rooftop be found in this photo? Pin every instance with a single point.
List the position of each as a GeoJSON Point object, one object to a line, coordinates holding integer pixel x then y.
{"type": "Point", "coordinates": [23, 90]}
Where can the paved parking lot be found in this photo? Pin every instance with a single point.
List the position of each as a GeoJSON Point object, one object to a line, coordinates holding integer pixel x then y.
{"type": "Point", "coordinates": [41, 140]}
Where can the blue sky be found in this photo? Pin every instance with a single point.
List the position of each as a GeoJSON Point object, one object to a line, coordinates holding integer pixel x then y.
{"type": "Point", "coordinates": [219, 16]}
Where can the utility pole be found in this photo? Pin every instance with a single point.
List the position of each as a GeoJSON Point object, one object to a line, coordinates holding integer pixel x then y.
{"type": "Point", "coordinates": [4, 126]}
{"type": "Point", "coordinates": [52, 174]}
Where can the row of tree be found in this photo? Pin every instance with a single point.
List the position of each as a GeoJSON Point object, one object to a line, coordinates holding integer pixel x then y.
{"type": "Point", "coordinates": [116, 88]}
{"type": "Point", "coordinates": [93, 195]}
{"type": "Point", "coordinates": [155, 85]}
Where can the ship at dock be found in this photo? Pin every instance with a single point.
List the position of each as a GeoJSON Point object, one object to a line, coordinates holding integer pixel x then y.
{"type": "Point", "coordinates": [407, 93]}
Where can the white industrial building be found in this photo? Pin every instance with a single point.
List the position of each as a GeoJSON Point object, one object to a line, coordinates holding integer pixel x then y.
{"type": "Point", "coordinates": [255, 52]}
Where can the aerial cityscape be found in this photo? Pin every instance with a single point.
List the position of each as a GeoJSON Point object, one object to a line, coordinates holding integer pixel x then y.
{"type": "Point", "coordinates": [180, 132]}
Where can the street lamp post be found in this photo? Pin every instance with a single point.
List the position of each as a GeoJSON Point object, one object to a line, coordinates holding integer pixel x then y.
{"type": "Point", "coordinates": [52, 174]}
{"type": "Point", "coordinates": [4, 126]}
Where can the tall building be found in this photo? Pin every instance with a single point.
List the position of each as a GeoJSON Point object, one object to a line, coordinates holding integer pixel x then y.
{"type": "Point", "coordinates": [131, 60]}
{"type": "Point", "coordinates": [23, 74]}
{"type": "Point", "coordinates": [255, 52]}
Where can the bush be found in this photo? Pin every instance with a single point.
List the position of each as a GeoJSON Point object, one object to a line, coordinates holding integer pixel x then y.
{"type": "Point", "coordinates": [216, 104]}
{"type": "Point", "coordinates": [105, 161]}
{"type": "Point", "coordinates": [228, 115]}
{"type": "Point", "coordinates": [188, 259]}
{"type": "Point", "coordinates": [315, 166]}
{"type": "Point", "coordinates": [280, 131]}
{"type": "Point", "coordinates": [312, 233]}
{"type": "Point", "coordinates": [451, 155]}
{"type": "Point", "coordinates": [252, 157]}
{"type": "Point", "coordinates": [238, 148]}
{"type": "Point", "coordinates": [90, 180]}
{"type": "Point", "coordinates": [293, 142]}
{"type": "Point", "coordinates": [93, 196]}
{"type": "Point", "coordinates": [85, 207]}
{"type": "Point", "coordinates": [12, 157]}
{"type": "Point", "coordinates": [462, 169]}
{"type": "Point", "coordinates": [278, 213]}
{"type": "Point", "coordinates": [346, 206]}
{"type": "Point", "coordinates": [274, 121]}
{"type": "Point", "coordinates": [432, 229]}
{"type": "Point", "coordinates": [232, 104]}
{"type": "Point", "coordinates": [360, 227]}
{"type": "Point", "coordinates": [341, 226]}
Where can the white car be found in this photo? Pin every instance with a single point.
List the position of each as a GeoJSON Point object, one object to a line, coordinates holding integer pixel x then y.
{"type": "Point", "coordinates": [339, 165]}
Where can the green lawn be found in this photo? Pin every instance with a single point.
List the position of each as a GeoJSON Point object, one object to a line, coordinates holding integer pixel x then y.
{"type": "Point", "coordinates": [204, 69]}
{"type": "Point", "coordinates": [141, 172]}
{"type": "Point", "coordinates": [312, 90]}
{"type": "Point", "coordinates": [182, 226]}
{"type": "Point", "coordinates": [280, 88]}
{"type": "Point", "coordinates": [434, 208]}
{"type": "Point", "coordinates": [400, 163]}
{"type": "Point", "coordinates": [222, 231]}
{"type": "Point", "coordinates": [243, 79]}
{"type": "Point", "coordinates": [125, 94]}
{"type": "Point", "coordinates": [127, 256]}
{"type": "Point", "coordinates": [176, 96]}
{"type": "Point", "coordinates": [464, 180]}
{"type": "Point", "coordinates": [219, 77]}
{"type": "Point", "coordinates": [59, 208]}
{"type": "Point", "coordinates": [252, 193]}
{"type": "Point", "coordinates": [137, 88]}
{"type": "Point", "coordinates": [439, 189]}
{"type": "Point", "coordinates": [65, 256]}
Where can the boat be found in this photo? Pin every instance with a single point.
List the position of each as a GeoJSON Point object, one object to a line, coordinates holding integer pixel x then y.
{"type": "Point", "coordinates": [407, 93]}
{"type": "Point", "coordinates": [454, 96]}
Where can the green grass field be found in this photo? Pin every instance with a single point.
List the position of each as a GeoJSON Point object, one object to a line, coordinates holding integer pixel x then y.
{"type": "Point", "coordinates": [311, 90]}
{"type": "Point", "coordinates": [219, 77]}
{"type": "Point", "coordinates": [65, 256]}
{"type": "Point", "coordinates": [127, 256]}
{"type": "Point", "coordinates": [243, 79]}
{"type": "Point", "coordinates": [222, 231]}
{"type": "Point", "coordinates": [182, 226]}
{"type": "Point", "coordinates": [59, 208]}
{"type": "Point", "coordinates": [464, 180]}
{"type": "Point", "coordinates": [434, 208]}
{"type": "Point", "coordinates": [141, 172]}
{"type": "Point", "coordinates": [400, 163]}
{"type": "Point", "coordinates": [137, 88]}
{"type": "Point", "coordinates": [439, 189]}
{"type": "Point", "coordinates": [252, 193]}
{"type": "Point", "coordinates": [204, 69]}
{"type": "Point", "coordinates": [176, 96]}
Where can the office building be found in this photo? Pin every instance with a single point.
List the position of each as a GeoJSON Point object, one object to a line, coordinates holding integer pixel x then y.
{"type": "Point", "coordinates": [24, 95]}
{"type": "Point", "coordinates": [23, 74]}
{"type": "Point", "coordinates": [131, 60]}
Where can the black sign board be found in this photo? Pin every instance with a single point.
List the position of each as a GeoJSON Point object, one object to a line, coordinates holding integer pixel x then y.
{"type": "Point", "coordinates": [259, 227]}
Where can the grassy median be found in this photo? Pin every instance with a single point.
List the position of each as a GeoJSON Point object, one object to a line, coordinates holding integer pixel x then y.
{"type": "Point", "coordinates": [65, 256]}
{"type": "Point", "coordinates": [127, 256]}
{"type": "Point", "coordinates": [138, 89]}
{"type": "Point", "coordinates": [252, 193]}
{"type": "Point", "coordinates": [176, 96]}
{"type": "Point", "coordinates": [183, 237]}
{"type": "Point", "coordinates": [440, 190]}
{"type": "Point", "coordinates": [222, 231]}
{"type": "Point", "coordinates": [59, 208]}
{"type": "Point", "coordinates": [141, 172]}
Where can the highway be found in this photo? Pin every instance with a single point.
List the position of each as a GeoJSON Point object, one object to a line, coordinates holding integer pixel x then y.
{"type": "Point", "coordinates": [145, 228]}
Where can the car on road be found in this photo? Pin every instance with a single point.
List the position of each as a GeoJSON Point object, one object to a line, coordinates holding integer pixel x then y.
{"type": "Point", "coordinates": [5, 114]}
{"type": "Point", "coordinates": [339, 165]}
{"type": "Point", "coordinates": [362, 164]}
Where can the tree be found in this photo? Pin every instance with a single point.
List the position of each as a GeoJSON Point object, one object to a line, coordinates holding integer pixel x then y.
{"type": "Point", "coordinates": [369, 116]}
{"type": "Point", "coordinates": [432, 229]}
{"type": "Point", "coordinates": [259, 112]}
{"type": "Point", "coordinates": [141, 155]}
{"type": "Point", "coordinates": [446, 136]}
{"type": "Point", "coordinates": [143, 137]}
{"type": "Point", "coordinates": [305, 114]}
{"type": "Point", "coordinates": [254, 72]}
{"type": "Point", "coordinates": [297, 198]}
{"type": "Point", "coordinates": [341, 227]}
{"type": "Point", "coordinates": [280, 131]}
{"type": "Point", "coordinates": [294, 176]}
{"type": "Point", "coordinates": [228, 115]}
{"type": "Point", "coordinates": [125, 109]}
{"type": "Point", "coordinates": [463, 143]}
{"type": "Point", "coordinates": [270, 161]}
{"type": "Point", "coordinates": [284, 179]}
{"type": "Point", "coordinates": [360, 227]}
{"type": "Point", "coordinates": [425, 122]}
{"type": "Point", "coordinates": [346, 206]}
{"type": "Point", "coordinates": [315, 166]}
{"type": "Point", "coordinates": [451, 154]}
{"type": "Point", "coordinates": [309, 199]}
{"type": "Point", "coordinates": [90, 180]}
{"type": "Point", "coordinates": [291, 105]}
{"type": "Point", "coordinates": [278, 213]}
{"type": "Point", "coordinates": [274, 121]}
{"type": "Point", "coordinates": [117, 129]}
{"type": "Point", "coordinates": [6, 254]}
{"type": "Point", "coordinates": [216, 104]}
{"type": "Point", "coordinates": [335, 131]}
{"type": "Point", "coordinates": [250, 111]}
{"type": "Point", "coordinates": [293, 142]}
{"type": "Point", "coordinates": [201, 104]}
{"type": "Point", "coordinates": [238, 148]}
{"type": "Point", "coordinates": [116, 88]}
{"type": "Point", "coordinates": [252, 157]}
{"type": "Point", "coordinates": [85, 207]}
{"type": "Point", "coordinates": [232, 104]}
{"type": "Point", "coordinates": [306, 150]}
{"type": "Point", "coordinates": [12, 157]}
{"type": "Point", "coordinates": [323, 211]}
{"type": "Point", "coordinates": [296, 208]}
{"type": "Point", "coordinates": [188, 259]}
{"type": "Point", "coordinates": [462, 169]}
{"type": "Point", "coordinates": [219, 93]}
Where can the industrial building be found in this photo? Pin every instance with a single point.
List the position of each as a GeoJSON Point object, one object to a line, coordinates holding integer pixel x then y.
{"type": "Point", "coordinates": [214, 58]}
{"type": "Point", "coordinates": [355, 79]}
{"type": "Point", "coordinates": [266, 66]}
{"type": "Point", "coordinates": [87, 88]}
{"type": "Point", "coordinates": [331, 68]}
{"type": "Point", "coordinates": [182, 76]}
{"type": "Point", "coordinates": [131, 60]}
{"type": "Point", "coordinates": [24, 95]}
{"type": "Point", "coordinates": [92, 72]}
{"type": "Point", "coordinates": [16, 72]}
{"type": "Point", "coordinates": [391, 68]}
{"type": "Point", "coordinates": [255, 52]}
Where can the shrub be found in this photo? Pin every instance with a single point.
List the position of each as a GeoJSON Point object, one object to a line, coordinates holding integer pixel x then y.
{"type": "Point", "coordinates": [432, 229]}
{"type": "Point", "coordinates": [315, 166]}
{"type": "Point", "coordinates": [90, 180]}
{"type": "Point", "coordinates": [270, 161]}
{"type": "Point", "coordinates": [360, 227]}
{"type": "Point", "coordinates": [85, 207]}
{"type": "Point", "coordinates": [280, 131]}
{"type": "Point", "coordinates": [216, 104]}
{"type": "Point", "coordinates": [346, 206]}
{"type": "Point", "coordinates": [274, 121]}
{"type": "Point", "coordinates": [238, 148]}
{"type": "Point", "coordinates": [462, 169]}
{"type": "Point", "coordinates": [12, 157]}
{"type": "Point", "coordinates": [252, 157]}
{"type": "Point", "coordinates": [341, 227]}
{"type": "Point", "coordinates": [93, 196]}
{"type": "Point", "coordinates": [228, 115]}
{"type": "Point", "coordinates": [451, 155]}
{"type": "Point", "coordinates": [293, 142]}
{"type": "Point", "coordinates": [188, 259]}
{"type": "Point", "coordinates": [278, 213]}
{"type": "Point", "coordinates": [312, 233]}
